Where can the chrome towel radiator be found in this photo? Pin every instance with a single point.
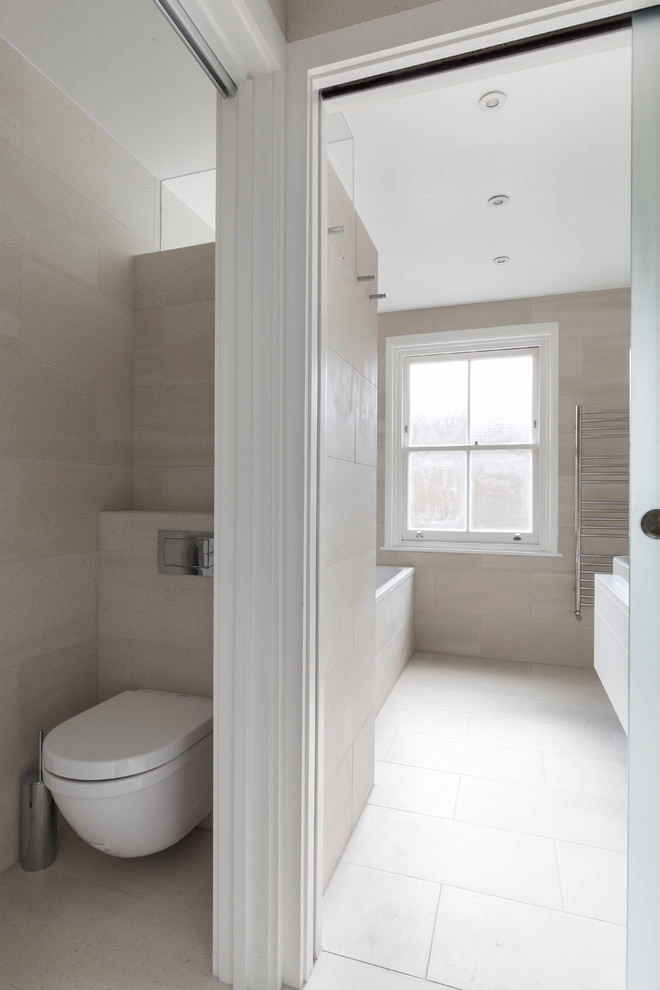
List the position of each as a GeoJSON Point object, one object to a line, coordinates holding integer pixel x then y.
{"type": "Point", "coordinates": [601, 496]}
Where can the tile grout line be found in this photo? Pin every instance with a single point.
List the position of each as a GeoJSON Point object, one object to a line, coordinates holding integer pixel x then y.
{"type": "Point", "coordinates": [561, 886]}
{"type": "Point", "coordinates": [435, 925]}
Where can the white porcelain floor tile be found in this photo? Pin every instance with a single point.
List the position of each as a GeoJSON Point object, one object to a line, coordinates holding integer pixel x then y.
{"type": "Point", "coordinates": [603, 778]}
{"type": "Point", "coordinates": [572, 713]}
{"type": "Point", "coordinates": [107, 939]}
{"type": "Point", "coordinates": [334, 972]}
{"type": "Point", "coordinates": [498, 682]}
{"type": "Point", "coordinates": [565, 675]}
{"type": "Point", "coordinates": [593, 881]}
{"type": "Point", "coordinates": [416, 718]}
{"type": "Point", "coordinates": [478, 759]}
{"type": "Point", "coordinates": [433, 673]}
{"type": "Point", "coordinates": [474, 700]}
{"type": "Point", "coordinates": [382, 742]}
{"type": "Point", "coordinates": [427, 792]}
{"type": "Point", "coordinates": [174, 876]}
{"type": "Point", "coordinates": [486, 943]}
{"type": "Point", "coordinates": [492, 860]}
{"type": "Point", "coordinates": [575, 740]}
{"type": "Point", "coordinates": [380, 918]}
{"type": "Point", "coordinates": [588, 692]}
{"type": "Point", "coordinates": [544, 762]}
{"type": "Point", "coordinates": [594, 821]}
{"type": "Point", "coordinates": [403, 692]}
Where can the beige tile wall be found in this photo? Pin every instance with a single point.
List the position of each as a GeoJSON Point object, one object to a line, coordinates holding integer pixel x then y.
{"type": "Point", "coordinates": [155, 630]}
{"type": "Point", "coordinates": [349, 556]}
{"type": "Point", "coordinates": [173, 393]}
{"type": "Point", "coordinates": [74, 210]}
{"type": "Point", "coordinates": [496, 606]}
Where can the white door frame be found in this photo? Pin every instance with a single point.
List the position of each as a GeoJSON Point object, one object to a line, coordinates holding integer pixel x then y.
{"type": "Point", "coordinates": [266, 806]}
{"type": "Point", "coordinates": [644, 680]}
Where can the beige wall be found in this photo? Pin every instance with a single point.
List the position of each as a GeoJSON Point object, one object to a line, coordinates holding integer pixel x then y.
{"type": "Point", "coordinates": [155, 630]}
{"type": "Point", "coordinates": [173, 404]}
{"type": "Point", "coordinates": [74, 210]}
{"type": "Point", "coordinates": [498, 606]}
{"type": "Point", "coordinates": [348, 604]}
{"type": "Point", "coordinates": [305, 18]}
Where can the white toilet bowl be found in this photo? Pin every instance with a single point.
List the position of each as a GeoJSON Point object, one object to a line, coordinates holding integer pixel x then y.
{"type": "Point", "coordinates": [134, 774]}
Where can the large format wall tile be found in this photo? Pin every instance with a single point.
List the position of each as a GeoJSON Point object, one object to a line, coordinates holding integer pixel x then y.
{"type": "Point", "coordinates": [173, 419]}
{"type": "Point", "coordinates": [350, 503]}
{"type": "Point", "coordinates": [172, 278]}
{"type": "Point", "coordinates": [48, 606]}
{"type": "Point", "coordinates": [60, 502]}
{"type": "Point", "coordinates": [11, 95]}
{"type": "Point", "coordinates": [114, 421]}
{"type": "Point", "coordinates": [118, 246]}
{"type": "Point", "coordinates": [70, 326]}
{"type": "Point", "coordinates": [59, 136]}
{"type": "Point", "coordinates": [9, 507]}
{"type": "Point", "coordinates": [349, 699]}
{"type": "Point", "coordinates": [10, 299]}
{"type": "Point", "coordinates": [155, 630]}
{"type": "Point", "coordinates": [54, 686]}
{"type": "Point", "coordinates": [174, 425]}
{"type": "Point", "coordinates": [43, 218]}
{"type": "Point", "coordinates": [168, 488]}
{"type": "Point", "coordinates": [136, 602]}
{"type": "Point", "coordinates": [47, 411]}
{"type": "Point", "coordinates": [188, 342]}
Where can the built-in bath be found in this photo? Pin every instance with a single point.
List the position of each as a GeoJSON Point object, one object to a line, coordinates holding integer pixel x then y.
{"type": "Point", "coordinates": [395, 632]}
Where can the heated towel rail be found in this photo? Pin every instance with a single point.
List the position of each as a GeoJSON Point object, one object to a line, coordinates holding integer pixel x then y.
{"type": "Point", "coordinates": [601, 496]}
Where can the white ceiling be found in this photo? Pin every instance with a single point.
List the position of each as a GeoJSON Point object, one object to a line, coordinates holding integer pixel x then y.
{"type": "Point", "coordinates": [426, 162]}
{"type": "Point", "coordinates": [124, 65]}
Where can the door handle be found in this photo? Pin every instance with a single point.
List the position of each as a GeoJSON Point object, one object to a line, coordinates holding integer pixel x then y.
{"type": "Point", "coordinates": [651, 524]}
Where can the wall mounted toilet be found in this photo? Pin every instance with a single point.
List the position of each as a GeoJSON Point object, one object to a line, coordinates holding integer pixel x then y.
{"type": "Point", "coordinates": [134, 774]}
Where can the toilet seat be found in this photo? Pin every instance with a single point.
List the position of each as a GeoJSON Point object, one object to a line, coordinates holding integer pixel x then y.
{"type": "Point", "coordinates": [129, 734]}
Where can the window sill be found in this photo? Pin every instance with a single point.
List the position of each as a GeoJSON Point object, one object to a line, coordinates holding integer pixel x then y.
{"type": "Point", "coordinates": [481, 548]}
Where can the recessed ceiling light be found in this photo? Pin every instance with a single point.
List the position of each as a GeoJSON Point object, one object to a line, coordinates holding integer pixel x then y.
{"type": "Point", "coordinates": [502, 259]}
{"type": "Point", "coordinates": [490, 102]}
{"type": "Point", "coordinates": [499, 200]}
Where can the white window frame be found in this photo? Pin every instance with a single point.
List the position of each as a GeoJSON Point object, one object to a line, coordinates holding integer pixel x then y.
{"type": "Point", "coordinates": [541, 336]}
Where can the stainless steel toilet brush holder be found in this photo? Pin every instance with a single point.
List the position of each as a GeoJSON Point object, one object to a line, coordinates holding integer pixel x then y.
{"type": "Point", "coordinates": [38, 820]}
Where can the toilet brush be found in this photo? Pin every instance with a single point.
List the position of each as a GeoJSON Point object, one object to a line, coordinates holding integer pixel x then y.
{"type": "Point", "coordinates": [38, 819]}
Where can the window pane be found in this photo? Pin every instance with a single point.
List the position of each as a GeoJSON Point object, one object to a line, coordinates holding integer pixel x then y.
{"type": "Point", "coordinates": [501, 399]}
{"type": "Point", "coordinates": [501, 491]}
{"type": "Point", "coordinates": [437, 490]}
{"type": "Point", "coordinates": [437, 403]}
